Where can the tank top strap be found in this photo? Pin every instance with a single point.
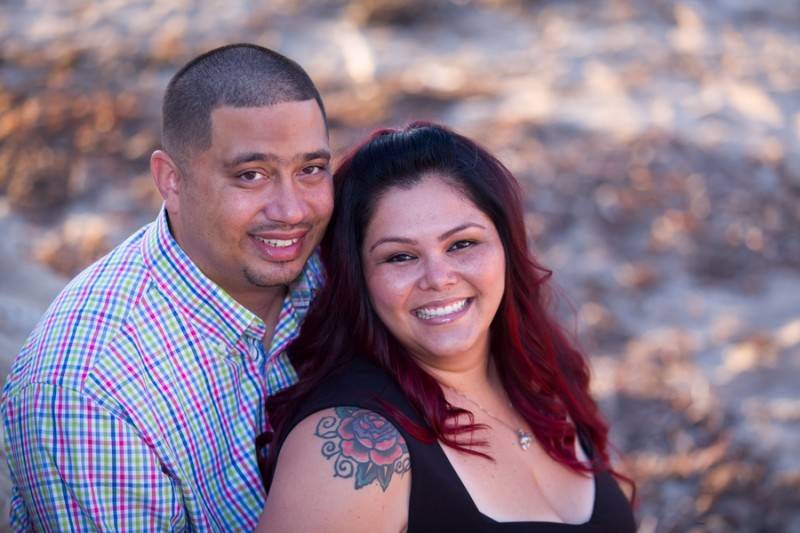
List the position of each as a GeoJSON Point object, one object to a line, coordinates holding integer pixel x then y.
{"type": "Point", "coordinates": [438, 501]}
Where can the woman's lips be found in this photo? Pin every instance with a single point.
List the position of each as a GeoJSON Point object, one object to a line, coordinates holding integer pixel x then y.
{"type": "Point", "coordinates": [443, 313]}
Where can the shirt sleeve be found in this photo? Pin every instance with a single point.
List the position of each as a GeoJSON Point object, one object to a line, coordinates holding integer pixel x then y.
{"type": "Point", "coordinates": [75, 466]}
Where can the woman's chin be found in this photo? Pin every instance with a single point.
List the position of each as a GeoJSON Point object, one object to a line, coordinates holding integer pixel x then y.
{"type": "Point", "coordinates": [450, 355]}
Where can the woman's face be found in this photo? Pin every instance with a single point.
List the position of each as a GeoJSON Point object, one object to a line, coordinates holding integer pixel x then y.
{"type": "Point", "coordinates": [435, 271]}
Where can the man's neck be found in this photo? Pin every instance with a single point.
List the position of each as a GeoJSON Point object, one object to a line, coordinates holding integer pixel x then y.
{"type": "Point", "coordinates": [264, 302]}
{"type": "Point", "coordinates": [271, 319]}
{"type": "Point", "coordinates": [265, 305]}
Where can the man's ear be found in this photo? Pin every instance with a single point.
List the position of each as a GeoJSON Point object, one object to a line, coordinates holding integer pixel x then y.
{"type": "Point", "coordinates": [167, 177]}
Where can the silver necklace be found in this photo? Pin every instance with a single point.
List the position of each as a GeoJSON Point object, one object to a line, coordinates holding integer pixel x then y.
{"type": "Point", "coordinates": [524, 439]}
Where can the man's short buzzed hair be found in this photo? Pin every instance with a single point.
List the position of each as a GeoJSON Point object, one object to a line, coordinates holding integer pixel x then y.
{"type": "Point", "coordinates": [237, 75]}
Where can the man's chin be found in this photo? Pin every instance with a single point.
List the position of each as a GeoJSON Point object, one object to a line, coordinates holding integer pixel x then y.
{"type": "Point", "coordinates": [277, 275]}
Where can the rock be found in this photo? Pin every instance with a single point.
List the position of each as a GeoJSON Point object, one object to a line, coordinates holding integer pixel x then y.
{"type": "Point", "coordinates": [80, 241]}
{"type": "Point", "coordinates": [38, 178]}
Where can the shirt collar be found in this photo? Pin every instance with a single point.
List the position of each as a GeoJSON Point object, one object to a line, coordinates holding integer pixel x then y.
{"type": "Point", "coordinates": [304, 288]}
{"type": "Point", "coordinates": [185, 285]}
{"type": "Point", "coordinates": [205, 301]}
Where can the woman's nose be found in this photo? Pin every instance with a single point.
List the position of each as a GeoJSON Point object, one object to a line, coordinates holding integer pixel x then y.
{"type": "Point", "coordinates": [438, 274]}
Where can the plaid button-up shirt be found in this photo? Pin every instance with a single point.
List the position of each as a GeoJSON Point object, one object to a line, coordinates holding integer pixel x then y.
{"type": "Point", "coordinates": [136, 401]}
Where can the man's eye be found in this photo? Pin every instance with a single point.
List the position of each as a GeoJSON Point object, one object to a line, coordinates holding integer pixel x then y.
{"type": "Point", "coordinates": [313, 169]}
{"type": "Point", "coordinates": [251, 176]}
{"type": "Point", "coordinates": [459, 245]}
{"type": "Point", "coordinates": [399, 258]}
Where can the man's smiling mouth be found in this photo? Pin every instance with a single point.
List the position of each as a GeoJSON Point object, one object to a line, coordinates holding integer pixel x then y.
{"type": "Point", "coordinates": [278, 243]}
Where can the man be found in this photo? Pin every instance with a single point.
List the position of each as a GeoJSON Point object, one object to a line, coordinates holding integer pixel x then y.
{"type": "Point", "coordinates": [136, 401]}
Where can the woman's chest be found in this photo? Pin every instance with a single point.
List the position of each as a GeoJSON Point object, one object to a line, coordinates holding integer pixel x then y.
{"type": "Point", "coordinates": [523, 484]}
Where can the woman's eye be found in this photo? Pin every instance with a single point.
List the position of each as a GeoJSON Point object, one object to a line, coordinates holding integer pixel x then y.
{"type": "Point", "coordinates": [459, 245]}
{"type": "Point", "coordinates": [251, 176]}
{"type": "Point", "coordinates": [399, 258]}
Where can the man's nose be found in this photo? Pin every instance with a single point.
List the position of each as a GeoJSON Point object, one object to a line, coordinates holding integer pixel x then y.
{"type": "Point", "coordinates": [286, 204]}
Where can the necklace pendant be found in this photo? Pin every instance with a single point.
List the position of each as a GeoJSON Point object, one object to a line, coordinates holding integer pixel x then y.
{"type": "Point", "coordinates": [524, 439]}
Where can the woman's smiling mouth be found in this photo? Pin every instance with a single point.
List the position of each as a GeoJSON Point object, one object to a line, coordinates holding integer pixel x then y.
{"type": "Point", "coordinates": [441, 314]}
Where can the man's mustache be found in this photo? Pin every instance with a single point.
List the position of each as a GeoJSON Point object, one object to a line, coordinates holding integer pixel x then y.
{"type": "Point", "coordinates": [265, 228]}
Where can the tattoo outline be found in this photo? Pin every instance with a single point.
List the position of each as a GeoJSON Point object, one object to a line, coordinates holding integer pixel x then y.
{"type": "Point", "coordinates": [363, 445]}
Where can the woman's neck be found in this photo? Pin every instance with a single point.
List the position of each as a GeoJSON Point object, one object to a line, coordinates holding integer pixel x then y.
{"type": "Point", "coordinates": [478, 378]}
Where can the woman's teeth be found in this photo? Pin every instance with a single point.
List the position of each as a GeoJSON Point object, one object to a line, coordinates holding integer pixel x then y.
{"type": "Point", "coordinates": [278, 243]}
{"type": "Point", "coordinates": [427, 313]}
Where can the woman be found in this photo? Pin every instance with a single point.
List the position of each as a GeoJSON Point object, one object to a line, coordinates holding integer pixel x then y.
{"type": "Point", "coordinates": [436, 393]}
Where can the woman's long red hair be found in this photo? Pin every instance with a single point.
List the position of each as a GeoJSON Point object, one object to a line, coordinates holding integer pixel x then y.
{"type": "Point", "coordinates": [544, 375]}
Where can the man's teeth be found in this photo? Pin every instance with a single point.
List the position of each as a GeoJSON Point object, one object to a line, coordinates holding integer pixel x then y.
{"type": "Point", "coordinates": [432, 312]}
{"type": "Point", "coordinates": [278, 243]}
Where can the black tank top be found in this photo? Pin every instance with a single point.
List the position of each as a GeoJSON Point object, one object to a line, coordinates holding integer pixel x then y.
{"type": "Point", "coordinates": [439, 501]}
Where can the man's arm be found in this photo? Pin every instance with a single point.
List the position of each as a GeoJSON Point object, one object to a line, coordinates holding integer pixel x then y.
{"type": "Point", "coordinates": [340, 470]}
{"type": "Point", "coordinates": [77, 467]}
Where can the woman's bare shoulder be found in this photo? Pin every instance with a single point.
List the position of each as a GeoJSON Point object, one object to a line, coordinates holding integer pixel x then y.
{"type": "Point", "coordinates": [340, 469]}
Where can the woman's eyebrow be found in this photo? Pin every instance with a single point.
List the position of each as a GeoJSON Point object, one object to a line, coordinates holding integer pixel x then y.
{"type": "Point", "coordinates": [384, 240]}
{"type": "Point", "coordinates": [447, 234]}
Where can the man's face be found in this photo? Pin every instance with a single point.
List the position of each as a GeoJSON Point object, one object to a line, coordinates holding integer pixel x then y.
{"type": "Point", "coordinates": [255, 204]}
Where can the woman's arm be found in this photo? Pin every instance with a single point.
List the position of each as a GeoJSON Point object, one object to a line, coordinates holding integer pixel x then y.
{"type": "Point", "coordinates": [342, 469]}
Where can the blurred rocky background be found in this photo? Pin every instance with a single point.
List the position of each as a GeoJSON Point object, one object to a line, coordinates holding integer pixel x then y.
{"type": "Point", "coordinates": [658, 143]}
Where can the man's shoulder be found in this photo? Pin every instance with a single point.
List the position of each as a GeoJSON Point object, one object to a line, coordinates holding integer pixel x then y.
{"type": "Point", "coordinates": [84, 319]}
{"type": "Point", "coordinates": [106, 283]}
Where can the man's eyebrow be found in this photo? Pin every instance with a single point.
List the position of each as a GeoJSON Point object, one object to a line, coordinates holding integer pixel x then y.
{"type": "Point", "coordinates": [317, 154]}
{"type": "Point", "coordinates": [250, 157]}
{"type": "Point", "coordinates": [442, 237]}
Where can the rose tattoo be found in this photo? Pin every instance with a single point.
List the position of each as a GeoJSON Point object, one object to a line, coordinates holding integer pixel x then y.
{"type": "Point", "coordinates": [363, 445]}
